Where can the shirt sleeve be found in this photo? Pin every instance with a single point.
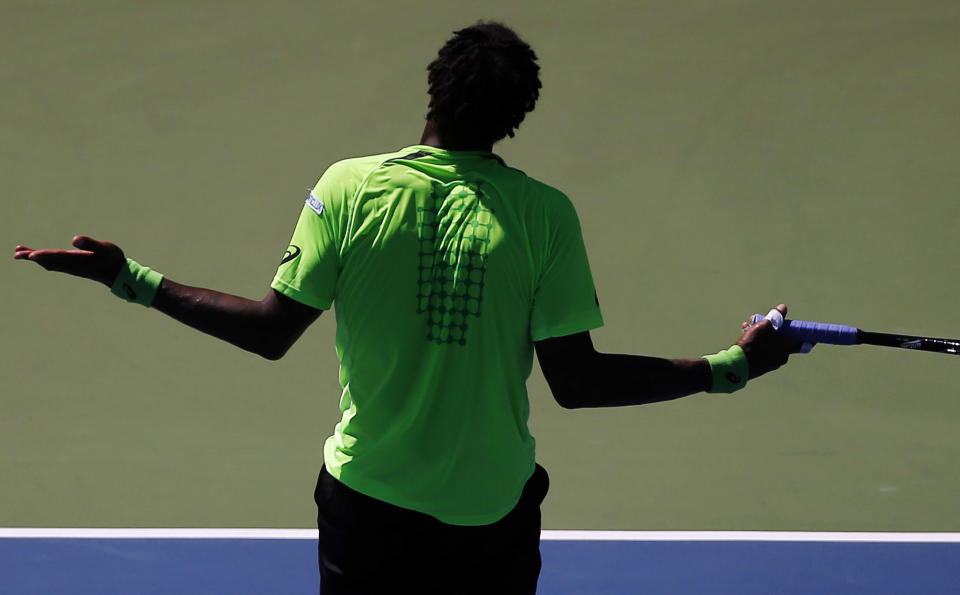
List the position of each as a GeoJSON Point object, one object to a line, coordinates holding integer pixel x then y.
{"type": "Point", "coordinates": [310, 268]}
{"type": "Point", "coordinates": [565, 300]}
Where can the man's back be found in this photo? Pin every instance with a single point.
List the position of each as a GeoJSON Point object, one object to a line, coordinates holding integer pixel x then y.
{"type": "Point", "coordinates": [444, 266]}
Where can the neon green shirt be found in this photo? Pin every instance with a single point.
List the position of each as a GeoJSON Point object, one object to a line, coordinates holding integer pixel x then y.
{"type": "Point", "coordinates": [444, 267]}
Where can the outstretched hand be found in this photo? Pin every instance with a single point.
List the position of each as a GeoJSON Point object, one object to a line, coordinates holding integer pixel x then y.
{"type": "Point", "coordinates": [92, 259]}
{"type": "Point", "coordinates": [765, 349]}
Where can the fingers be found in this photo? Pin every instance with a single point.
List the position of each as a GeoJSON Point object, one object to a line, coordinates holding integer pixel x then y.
{"type": "Point", "coordinates": [46, 257]}
{"type": "Point", "coordinates": [85, 243]}
{"type": "Point", "coordinates": [65, 261]}
{"type": "Point", "coordinates": [765, 348]}
{"type": "Point", "coordinates": [758, 318]}
{"type": "Point", "coordinates": [22, 252]}
{"type": "Point", "coordinates": [104, 249]}
{"type": "Point", "coordinates": [88, 243]}
{"type": "Point", "coordinates": [761, 327]}
{"type": "Point", "coordinates": [92, 259]}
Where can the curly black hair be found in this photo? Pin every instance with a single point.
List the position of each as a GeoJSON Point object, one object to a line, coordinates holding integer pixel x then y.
{"type": "Point", "coordinates": [482, 84]}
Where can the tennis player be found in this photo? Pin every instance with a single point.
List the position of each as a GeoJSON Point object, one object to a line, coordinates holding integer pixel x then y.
{"type": "Point", "coordinates": [449, 269]}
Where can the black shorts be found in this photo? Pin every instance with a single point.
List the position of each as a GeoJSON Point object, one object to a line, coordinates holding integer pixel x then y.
{"type": "Point", "coordinates": [368, 546]}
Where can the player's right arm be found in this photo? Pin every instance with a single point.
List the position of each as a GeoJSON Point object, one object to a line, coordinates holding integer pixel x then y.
{"type": "Point", "coordinates": [580, 376]}
{"type": "Point", "coordinates": [267, 327]}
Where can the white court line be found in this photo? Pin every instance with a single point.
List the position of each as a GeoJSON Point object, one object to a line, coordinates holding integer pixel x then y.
{"type": "Point", "coordinates": [132, 533]}
{"type": "Point", "coordinates": [828, 536]}
{"type": "Point", "coordinates": [783, 536]}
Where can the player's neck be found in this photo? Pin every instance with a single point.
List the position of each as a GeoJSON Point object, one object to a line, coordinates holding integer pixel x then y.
{"type": "Point", "coordinates": [432, 138]}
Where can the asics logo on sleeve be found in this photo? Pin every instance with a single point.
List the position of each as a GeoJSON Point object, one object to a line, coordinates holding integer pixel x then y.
{"type": "Point", "coordinates": [291, 253]}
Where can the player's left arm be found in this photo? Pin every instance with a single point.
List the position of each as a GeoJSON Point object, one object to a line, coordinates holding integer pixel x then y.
{"type": "Point", "coordinates": [267, 327]}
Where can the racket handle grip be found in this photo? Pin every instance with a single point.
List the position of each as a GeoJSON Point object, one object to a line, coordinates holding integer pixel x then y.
{"type": "Point", "coordinates": [820, 332]}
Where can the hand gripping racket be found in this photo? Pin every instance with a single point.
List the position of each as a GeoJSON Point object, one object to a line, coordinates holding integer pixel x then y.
{"type": "Point", "coordinates": [840, 334]}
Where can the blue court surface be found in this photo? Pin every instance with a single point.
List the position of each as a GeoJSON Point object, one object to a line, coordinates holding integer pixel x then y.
{"type": "Point", "coordinates": [145, 561]}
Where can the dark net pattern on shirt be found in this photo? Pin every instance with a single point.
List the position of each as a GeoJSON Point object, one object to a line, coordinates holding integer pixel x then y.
{"type": "Point", "coordinates": [454, 231]}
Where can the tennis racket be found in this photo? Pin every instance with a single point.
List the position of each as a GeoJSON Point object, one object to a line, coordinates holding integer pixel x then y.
{"type": "Point", "coordinates": [841, 334]}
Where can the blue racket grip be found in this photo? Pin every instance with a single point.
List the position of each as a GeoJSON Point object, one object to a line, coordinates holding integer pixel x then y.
{"type": "Point", "coordinates": [820, 332]}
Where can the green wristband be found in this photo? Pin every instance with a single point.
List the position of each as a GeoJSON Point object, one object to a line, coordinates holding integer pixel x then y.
{"type": "Point", "coordinates": [730, 370]}
{"type": "Point", "coordinates": [136, 283]}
